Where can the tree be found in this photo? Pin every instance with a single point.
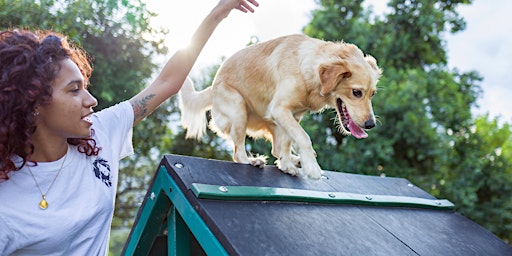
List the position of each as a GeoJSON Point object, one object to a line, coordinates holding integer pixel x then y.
{"type": "Point", "coordinates": [117, 35]}
{"type": "Point", "coordinates": [479, 176]}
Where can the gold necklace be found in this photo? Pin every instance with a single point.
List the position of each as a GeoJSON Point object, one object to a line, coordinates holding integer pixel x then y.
{"type": "Point", "coordinates": [43, 204]}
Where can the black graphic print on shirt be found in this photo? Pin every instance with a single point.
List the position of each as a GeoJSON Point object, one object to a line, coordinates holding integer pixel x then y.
{"type": "Point", "coordinates": [102, 171]}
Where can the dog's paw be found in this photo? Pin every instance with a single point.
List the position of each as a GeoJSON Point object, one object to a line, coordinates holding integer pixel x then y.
{"type": "Point", "coordinates": [289, 166]}
{"type": "Point", "coordinates": [312, 171]}
{"type": "Point", "coordinates": [258, 160]}
{"type": "Point", "coordinates": [292, 170]}
{"type": "Point", "coordinates": [296, 160]}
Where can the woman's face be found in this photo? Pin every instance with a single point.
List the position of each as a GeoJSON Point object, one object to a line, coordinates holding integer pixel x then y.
{"type": "Point", "coordinates": [69, 113]}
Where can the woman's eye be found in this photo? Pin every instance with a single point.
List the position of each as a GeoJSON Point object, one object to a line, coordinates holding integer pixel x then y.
{"type": "Point", "coordinates": [357, 93]}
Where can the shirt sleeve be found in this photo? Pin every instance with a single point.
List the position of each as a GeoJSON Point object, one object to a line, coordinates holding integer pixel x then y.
{"type": "Point", "coordinates": [7, 241]}
{"type": "Point", "coordinates": [116, 123]}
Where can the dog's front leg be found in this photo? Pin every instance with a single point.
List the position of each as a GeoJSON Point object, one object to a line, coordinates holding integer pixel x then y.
{"type": "Point", "coordinates": [287, 122]}
{"type": "Point", "coordinates": [282, 150]}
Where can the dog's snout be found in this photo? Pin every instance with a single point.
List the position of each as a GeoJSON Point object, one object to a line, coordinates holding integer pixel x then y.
{"type": "Point", "coordinates": [370, 123]}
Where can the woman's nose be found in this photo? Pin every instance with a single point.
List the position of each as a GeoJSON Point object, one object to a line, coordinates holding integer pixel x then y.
{"type": "Point", "coordinates": [90, 101]}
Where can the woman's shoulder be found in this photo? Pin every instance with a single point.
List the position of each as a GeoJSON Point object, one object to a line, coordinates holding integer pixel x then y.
{"type": "Point", "coordinates": [113, 126]}
{"type": "Point", "coordinates": [122, 110]}
{"type": "Point", "coordinates": [114, 117]}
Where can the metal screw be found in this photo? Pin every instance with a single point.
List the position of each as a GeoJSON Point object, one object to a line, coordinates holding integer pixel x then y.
{"type": "Point", "coordinates": [332, 195]}
{"type": "Point", "coordinates": [152, 196]}
{"type": "Point", "coordinates": [223, 189]}
{"type": "Point", "coordinates": [178, 165]}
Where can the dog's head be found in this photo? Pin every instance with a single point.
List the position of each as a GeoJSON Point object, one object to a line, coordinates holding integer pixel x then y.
{"type": "Point", "coordinates": [351, 82]}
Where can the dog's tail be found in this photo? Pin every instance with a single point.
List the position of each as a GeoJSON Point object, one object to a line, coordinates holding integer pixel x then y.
{"type": "Point", "coordinates": [193, 106]}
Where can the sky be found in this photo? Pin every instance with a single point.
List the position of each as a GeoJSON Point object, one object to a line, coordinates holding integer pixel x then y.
{"type": "Point", "coordinates": [484, 46]}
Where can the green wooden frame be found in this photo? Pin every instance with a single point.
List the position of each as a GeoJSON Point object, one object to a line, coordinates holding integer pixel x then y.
{"type": "Point", "coordinates": [165, 202]}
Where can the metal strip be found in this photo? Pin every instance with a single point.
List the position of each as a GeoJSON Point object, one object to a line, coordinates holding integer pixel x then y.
{"type": "Point", "coordinates": [252, 193]}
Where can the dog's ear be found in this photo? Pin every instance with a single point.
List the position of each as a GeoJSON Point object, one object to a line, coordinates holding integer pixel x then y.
{"type": "Point", "coordinates": [331, 74]}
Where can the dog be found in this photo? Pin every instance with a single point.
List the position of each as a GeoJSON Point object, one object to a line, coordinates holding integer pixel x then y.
{"type": "Point", "coordinates": [265, 89]}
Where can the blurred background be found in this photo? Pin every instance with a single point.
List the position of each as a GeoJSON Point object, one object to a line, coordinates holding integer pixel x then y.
{"type": "Point", "coordinates": [442, 105]}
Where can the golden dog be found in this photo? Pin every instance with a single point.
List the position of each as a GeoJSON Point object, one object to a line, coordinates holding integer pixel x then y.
{"type": "Point", "coordinates": [266, 88]}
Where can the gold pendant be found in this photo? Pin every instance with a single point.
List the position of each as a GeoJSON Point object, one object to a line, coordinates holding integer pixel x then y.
{"type": "Point", "coordinates": [43, 204]}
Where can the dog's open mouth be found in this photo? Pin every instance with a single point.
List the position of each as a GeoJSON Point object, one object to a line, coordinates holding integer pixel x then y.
{"type": "Point", "coordinates": [347, 126]}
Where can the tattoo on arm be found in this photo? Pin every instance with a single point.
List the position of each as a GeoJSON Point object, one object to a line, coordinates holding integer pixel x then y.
{"type": "Point", "coordinates": [140, 106]}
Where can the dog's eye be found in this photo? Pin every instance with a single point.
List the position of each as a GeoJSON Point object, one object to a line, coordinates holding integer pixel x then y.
{"type": "Point", "coordinates": [357, 93]}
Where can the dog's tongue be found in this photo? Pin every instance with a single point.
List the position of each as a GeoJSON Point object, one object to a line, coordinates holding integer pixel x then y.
{"type": "Point", "coordinates": [356, 130]}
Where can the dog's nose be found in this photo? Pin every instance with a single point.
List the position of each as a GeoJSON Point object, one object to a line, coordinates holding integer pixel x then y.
{"type": "Point", "coordinates": [370, 123]}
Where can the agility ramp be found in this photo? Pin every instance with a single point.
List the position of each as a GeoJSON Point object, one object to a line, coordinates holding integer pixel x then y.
{"type": "Point", "coordinates": [198, 206]}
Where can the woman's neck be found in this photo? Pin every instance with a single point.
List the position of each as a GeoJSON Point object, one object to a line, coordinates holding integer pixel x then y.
{"type": "Point", "coordinates": [48, 150]}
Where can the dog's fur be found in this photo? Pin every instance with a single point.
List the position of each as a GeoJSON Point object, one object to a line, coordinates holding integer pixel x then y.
{"type": "Point", "coordinates": [265, 89]}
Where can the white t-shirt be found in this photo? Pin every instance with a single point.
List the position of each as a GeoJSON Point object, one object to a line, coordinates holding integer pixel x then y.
{"type": "Point", "coordinates": [80, 202]}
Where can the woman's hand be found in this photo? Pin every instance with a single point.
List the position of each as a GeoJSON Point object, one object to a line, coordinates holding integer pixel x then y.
{"type": "Point", "coordinates": [224, 7]}
{"type": "Point", "coordinates": [245, 7]}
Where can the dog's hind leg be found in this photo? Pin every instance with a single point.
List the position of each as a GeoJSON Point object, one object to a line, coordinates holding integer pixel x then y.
{"type": "Point", "coordinates": [237, 134]}
{"type": "Point", "coordinates": [230, 122]}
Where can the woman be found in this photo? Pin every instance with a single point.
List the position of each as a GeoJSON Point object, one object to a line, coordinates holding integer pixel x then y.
{"type": "Point", "coordinates": [58, 159]}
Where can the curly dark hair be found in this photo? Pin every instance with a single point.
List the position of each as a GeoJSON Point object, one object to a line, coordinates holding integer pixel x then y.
{"type": "Point", "coordinates": [29, 63]}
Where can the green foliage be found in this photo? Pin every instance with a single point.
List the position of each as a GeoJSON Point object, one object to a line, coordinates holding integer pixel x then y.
{"type": "Point", "coordinates": [479, 174]}
{"type": "Point", "coordinates": [336, 20]}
